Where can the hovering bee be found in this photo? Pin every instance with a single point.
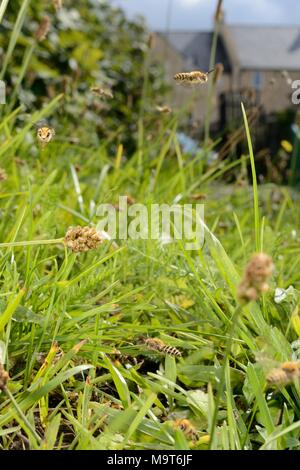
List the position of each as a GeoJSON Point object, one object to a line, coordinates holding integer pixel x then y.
{"type": "Point", "coordinates": [286, 373]}
{"type": "Point", "coordinates": [102, 92]}
{"type": "Point", "coordinates": [187, 428]}
{"type": "Point", "coordinates": [156, 344]}
{"type": "Point", "coordinates": [277, 373]}
{"type": "Point", "coordinates": [198, 196]}
{"type": "Point", "coordinates": [192, 78]}
{"type": "Point", "coordinates": [45, 134]}
{"type": "Point", "coordinates": [163, 109]}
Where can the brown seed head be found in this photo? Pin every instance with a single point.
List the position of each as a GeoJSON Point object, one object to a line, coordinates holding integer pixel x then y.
{"type": "Point", "coordinates": [43, 29]}
{"type": "Point", "coordinates": [4, 377]}
{"type": "Point", "coordinates": [254, 282]}
{"type": "Point", "coordinates": [219, 12]}
{"type": "Point", "coordinates": [3, 175]}
{"type": "Point", "coordinates": [81, 239]}
{"type": "Point", "coordinates": [151, 41]}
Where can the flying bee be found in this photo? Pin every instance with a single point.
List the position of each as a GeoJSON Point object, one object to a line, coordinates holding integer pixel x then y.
{"type": "Point", "coordinates": [286, 373]}
{"type": "Point", "coordinates": [279, 374]}
{"type": "Point", "coordinates": [192, 78]}
{"type": "Point", "coordinates": [163, 109]}
{"type": "Point", "coordinates": [156, 344]}
{"type": "Point", "coordinates": [102, 92]}
{"type": "Point", "coordinates": [187, 428]}
{"type": "Point", "coordinates": [45, 134]}
{"type": "Point", "coordinates": [198, 196]}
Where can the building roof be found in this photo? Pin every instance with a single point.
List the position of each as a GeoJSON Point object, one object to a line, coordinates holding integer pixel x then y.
{"type": "Point", "coordinates": [195, 47]}
{"type": "Point", "coordinates": [266, 47]}
{"type": "Point", "coordinates": [255, 47]}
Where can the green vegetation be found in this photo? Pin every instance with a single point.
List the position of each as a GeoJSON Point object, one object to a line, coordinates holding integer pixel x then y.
{"type": "Point", "coordinates": [72, 325]}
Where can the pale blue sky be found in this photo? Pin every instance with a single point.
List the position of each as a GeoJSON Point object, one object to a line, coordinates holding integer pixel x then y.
{"type": "Point", "coordinates": [197, 14]}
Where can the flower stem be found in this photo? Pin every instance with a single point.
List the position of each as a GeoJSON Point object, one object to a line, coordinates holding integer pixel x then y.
{"type": "Point", "coordinates": [32, 242]}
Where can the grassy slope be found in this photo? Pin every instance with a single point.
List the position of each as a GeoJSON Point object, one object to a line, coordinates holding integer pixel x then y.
{"type": "Point", "coordinates": [113, 297]}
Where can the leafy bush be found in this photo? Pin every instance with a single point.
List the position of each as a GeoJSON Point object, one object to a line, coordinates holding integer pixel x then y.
{"type": "Point", "coordinates": [90, 43]}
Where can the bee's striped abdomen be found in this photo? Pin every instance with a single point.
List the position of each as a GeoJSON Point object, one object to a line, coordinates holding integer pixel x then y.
{"type": "Point", "coordinates": [156, 344]}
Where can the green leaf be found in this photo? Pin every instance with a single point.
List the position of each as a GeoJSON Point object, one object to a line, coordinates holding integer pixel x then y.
{"type": "Point", "coordinates": [119, 381]}
{"type": "Point", "coordinates": [10, 309]}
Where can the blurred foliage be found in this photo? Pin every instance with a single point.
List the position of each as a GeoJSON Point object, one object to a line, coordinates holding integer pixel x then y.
{"type": "Point", "coordinates": [90, 43]}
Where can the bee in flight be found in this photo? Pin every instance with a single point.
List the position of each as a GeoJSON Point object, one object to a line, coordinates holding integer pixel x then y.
{"type": "Point", "coordinates": [156, 344]}
{"type": "Point", "coordinates": [187, 428]}
{"type": "Point", "coordinates": [286, 373]}
{"type": "Point", "coordinates": [45, 134]}
{"type": "Point", "coordinates": [279, 374]}
{"type": "Point", "coordinates": [192, 78]}
{"type": "Point", "coordinates": [102, 92]}
{"type": "Point", "coordinates": [163, 109]}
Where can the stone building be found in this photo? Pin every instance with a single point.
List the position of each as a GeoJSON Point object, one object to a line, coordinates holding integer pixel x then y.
{"type": "Point", "coordinates": [260, 64]}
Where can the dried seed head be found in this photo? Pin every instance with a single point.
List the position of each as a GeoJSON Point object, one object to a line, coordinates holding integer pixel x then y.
{"type": "Point", "coordinates": [259, 269]}
{"type": "Point", "coordinates": [151, 41]}
{"type": "Point", "coordinates": [219, 69]}
{"type": "Point", "coordinates": [3, 175]}
{"type": "Point", "coordinates": [219, 12]}
{"type": "Point", "coordinates": [254, 282]}
{"type": "Point", "coordinates": [43, 29]}
{"type": "Point", "coordinates": [4, 377]}
{"type": "Point", "coordinates": [81, 239]}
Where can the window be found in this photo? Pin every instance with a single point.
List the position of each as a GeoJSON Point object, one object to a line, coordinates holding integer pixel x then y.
{"type": "Point", "coordinates": [257, 80]}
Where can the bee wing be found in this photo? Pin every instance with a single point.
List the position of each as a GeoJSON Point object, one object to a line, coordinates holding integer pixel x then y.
{"type": "Point", "coordinates": [185, 84]}
{"type": "Point", "coordinates": [266, 362]}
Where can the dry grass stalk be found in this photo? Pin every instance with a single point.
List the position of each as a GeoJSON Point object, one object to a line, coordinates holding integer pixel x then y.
{"type": "Point", "coordinates": [43, 29]}
{"type": "Point", "coordinates": [4, 377]}
{"type": "Point", "coordinates": [254, 282]}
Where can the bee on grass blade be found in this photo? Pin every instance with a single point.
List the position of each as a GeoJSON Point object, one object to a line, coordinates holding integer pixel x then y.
{"type": "Point", "coordinates": [285, 374]}
{"type": "Point", "coordinates": [156, 344]}
{"type": "Point", "coordinates": [187, 428]}
{"type": "Point", "coordinates": [102, 92]}
{"type": "Point", "coordinates": [45, 133]}
{"type": "Point", "coordinates": [192, 78]}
